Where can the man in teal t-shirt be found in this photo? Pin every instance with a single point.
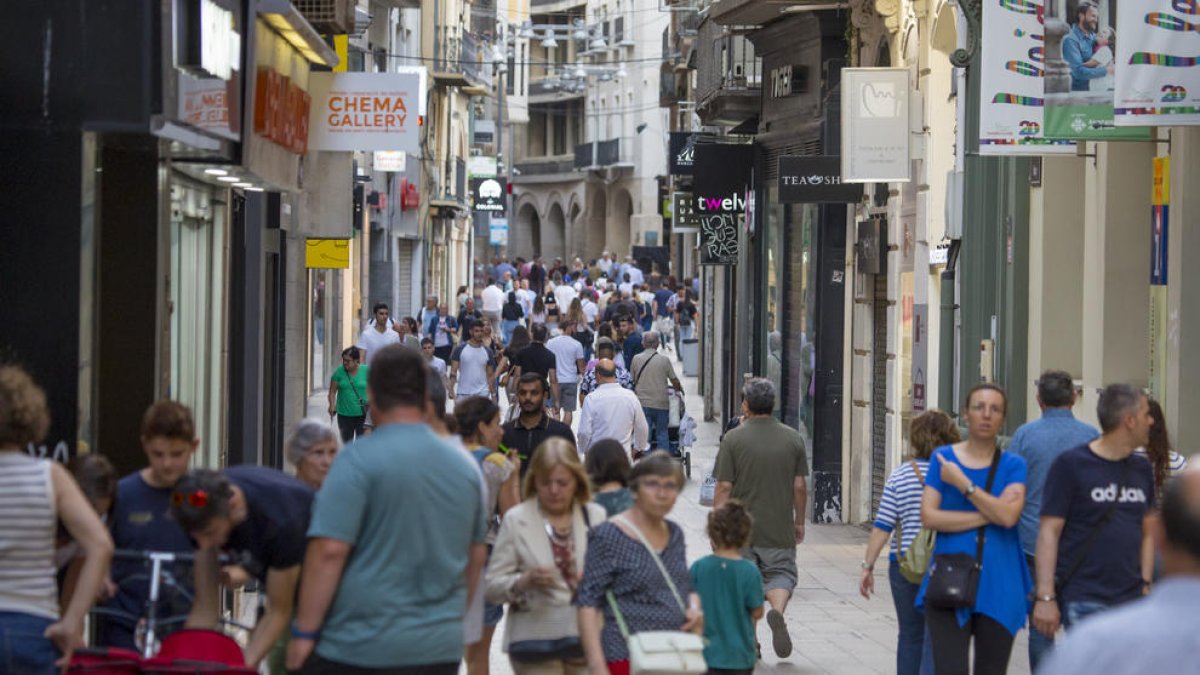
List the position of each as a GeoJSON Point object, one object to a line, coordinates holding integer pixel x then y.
{"type": "Point", "coordinates": [396, 542]}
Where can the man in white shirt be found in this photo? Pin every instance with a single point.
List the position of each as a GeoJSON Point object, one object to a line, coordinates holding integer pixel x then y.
{"type": "Point", "coordinates": [612, 412]}
{"type": "Point", "coordinates": [569, 366]}
{"type": "Point", "coordinates": [436, 364]}
{"type": "Point", "coordinates": [605, 263]}
{"type": "Point", "coordinates": [590, 310]}
{"type": "Point", "coordinates": [635, 273]}
{"type": "Point", "coordinates": [626, 285]}
{"type": "Point", "coordinates": [493, 301]}
{"type": "Point", "coordinates": [563, 295]}
{"type": "Point", "coordinates": [377, 334]}
{"type": "Point", "coordinates": [472, 367]}
{"type": "Point", "coordinates": [526, 299]}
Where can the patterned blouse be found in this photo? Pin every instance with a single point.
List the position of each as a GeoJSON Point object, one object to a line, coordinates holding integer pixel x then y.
{"type": "Point", "coordinates": [621, 564]}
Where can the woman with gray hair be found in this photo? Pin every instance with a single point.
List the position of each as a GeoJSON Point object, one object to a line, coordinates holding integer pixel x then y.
{"type": "Point", "coordinates": [311, 449]}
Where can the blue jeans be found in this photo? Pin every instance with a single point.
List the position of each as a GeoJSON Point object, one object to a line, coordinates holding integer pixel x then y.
{"type": "Point", "coordinates": [22, 647]}
{"type": "Point", "coordinates": [507, 327]}
{"type": "Point", "coordinates": [683, 333]}
{"type": "Point", "coordinates": [1074, 612]}
{"type": "Point", "coordinates": [910, 646]}
{"type": "Point", "coordinates": [1040, 646]}
{"type": "Point", "coordinates": [658, 419]}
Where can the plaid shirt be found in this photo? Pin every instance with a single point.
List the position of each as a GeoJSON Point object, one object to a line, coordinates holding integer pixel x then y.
{"type": "Point", "coordinates": [588, 384]}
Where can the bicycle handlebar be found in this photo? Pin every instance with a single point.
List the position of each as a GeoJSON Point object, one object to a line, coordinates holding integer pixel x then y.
{"type": "Point", "coordinates": [164, 556]}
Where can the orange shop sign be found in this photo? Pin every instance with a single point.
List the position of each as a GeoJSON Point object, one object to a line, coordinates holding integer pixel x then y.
{"type": "Point", "coordinates": [281, 110]}
{"type": "Point", "coordinates": [364, 111]}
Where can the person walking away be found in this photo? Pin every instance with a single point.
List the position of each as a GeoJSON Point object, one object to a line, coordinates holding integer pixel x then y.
{"type": "Point", "coordinates": [621, 557]}
{"type": "Point", "coordinates": [348, 394]}
{"type": "Point", "coordinates": [652, 373]}
{"type": "Point", "coordinates": [685, 316]}
{"type": "Point", "coordinates": [511, 316]}
{"type": "Point", "coordinates": [1094, 549]}
{"type": "Point", "coordinates": [394, 555]}
{"type": "Point", "coordinates": [550, 302]}
{"type": "Point", "coordinates": [763, 463]}
{"type": "Point", "coordinates": [472, 367]}
{"type": "Point", "coordinates": [579, 328]}
{"type": "Point", "coordinates": [1040, 442]}
{"type": "Point", "coordinates": [492, 297]}
{"type": "Point", "coordinates": [538, 580]}
{"type": "Point", "coordinates": [533, 426]}
{"type": "Point", "coordinates": [141, 521]}
{"type": "Point", "coordinates": [564, 296]}
{"type": "Point", "coordinates": [1165, 462]}
{"type": "Point", "coordinates": [664, 310]}
{"type": "Point", "coordinates": [569, 363]}
{"type": "Point", "coordinates": [508, 379]}
{"type": "Point", "coordinates": [36, 494]}
{"type": "Point", "coordinates": [900, 509]}
{"type": "Point", "coordinates": [258, 516]}
{"type": "Point", "coordinates": [536, 358]}
{"type": "Point", "coordinates": [311, 448]}
{"type": "Point", "coordinates": [973, 498]}
{"type": "Point", "coordinates": [730, 590]}
{"type": "Point", "coordinates": [478, 421]}
{"type": "Point", "coordinates": [605, 349]}
{"type": "Point", "coordinates": [1156, 634]}
{"type": "Point", "coordinates": [377, 334]}
{"type": "Point", "coordinates": [608, 466]}
{"type": "Point", "coordinates": [441, 327]}
{"type": "Point", "coordinates": [612, 412]}
{"type": "Point", "coordinates": [631, 336]}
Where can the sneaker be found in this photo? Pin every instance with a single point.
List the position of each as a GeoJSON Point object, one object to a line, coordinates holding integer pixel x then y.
{"type": "Point", "coordinates": [779, 634]}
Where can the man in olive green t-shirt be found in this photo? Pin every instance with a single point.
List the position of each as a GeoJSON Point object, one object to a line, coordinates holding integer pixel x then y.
{"type": "Point", "coordinates": [763, 463]}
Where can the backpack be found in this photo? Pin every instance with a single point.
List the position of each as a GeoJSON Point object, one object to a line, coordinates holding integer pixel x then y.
{"type": "Point", "coordinates": [916, 559]}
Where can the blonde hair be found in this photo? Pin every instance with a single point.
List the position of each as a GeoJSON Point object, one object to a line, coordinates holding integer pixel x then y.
{"type": "Point", "coordinates": [555, 452]}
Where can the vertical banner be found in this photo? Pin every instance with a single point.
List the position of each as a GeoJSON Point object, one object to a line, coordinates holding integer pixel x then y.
{"type": "Point", "coordinates": [723, 179]}
{"type": "Point", "coordinates": [1158, 57]}
{"type": "Point", "coordinates": [1161, 197]}
{"type": "Point", "coordinates": [1012, 96]}
{"type": "Point", "coordinates": [1079, 97]}
{"type": "Point", "coordinates": [920, 357]}
{"type": "Point", "coordinates": [875, 125]}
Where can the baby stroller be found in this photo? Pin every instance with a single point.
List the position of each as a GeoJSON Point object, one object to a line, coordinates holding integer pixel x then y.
{"type": "Point", "coordinates": [681, 430]}
{"type": "Point", "coordinates": [189, 651]}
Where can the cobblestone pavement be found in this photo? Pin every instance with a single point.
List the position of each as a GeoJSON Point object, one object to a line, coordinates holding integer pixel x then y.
{"type": "Point", "coordinates": [834, 630]}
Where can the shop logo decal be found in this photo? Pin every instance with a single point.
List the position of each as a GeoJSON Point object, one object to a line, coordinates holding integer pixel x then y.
{"type": "Point", "coordinates": [1173, 93]}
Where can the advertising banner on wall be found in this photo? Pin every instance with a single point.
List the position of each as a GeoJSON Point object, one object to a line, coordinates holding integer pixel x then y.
{"type": "Point", "coordinates": [364, 111]}
{"type": "Point", "coordinates": [1079, 96]}
{"type": "Point", "coordinates": [1012, 97]}
{"type": "Point", "coordinates": [875, 131]}
{"type": "Point", "coordinates": [1158, 76]}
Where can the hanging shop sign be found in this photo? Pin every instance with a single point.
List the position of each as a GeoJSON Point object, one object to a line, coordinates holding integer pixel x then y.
{"type": "Point", "coordinates": [722, 177]}
{"type": "Point", "coordinates": [327, 254]}
{"type": "Point", "coordinates": [211, 105]}
{"type": "Point", "coordinates": [488, 194]}
{"type": "Point", "coordinates": [482, 166]}
{"type": "Point", "coordinates": [364, 111]}
{"type": "Point", "coordinates": [815, 179]}
{"type": "Point", "coordinates": [1012, 96]}
{"type": "Point", "coordinates": [875, 125]}
{"type": "Point", "coordinates": [498, 232]}
{"type": "Point", "coordinates": [207, 40]}
{"type": "Point", "coordinates": [1079, 98]}
{"type": "Point", "coordinates": [684, 218]}
{"type": "Point", "coordinates": [281, 110]}
{"type": "Point", "coordinates": [682, 150]}
{"type": "Point", "coordinates": [390, 160]}
{"type": "Point", "coordinates": [1158, 66]}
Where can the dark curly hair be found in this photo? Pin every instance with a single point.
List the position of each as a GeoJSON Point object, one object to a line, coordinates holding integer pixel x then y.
{"type": "Point", "coordinates": [24, 416]}
{"type": "Point", "coordinates": [730, 524]}
{"type": "Point", "coordinates": [472, 412]}
{"type": "Point", "coordinates": [200, 496]}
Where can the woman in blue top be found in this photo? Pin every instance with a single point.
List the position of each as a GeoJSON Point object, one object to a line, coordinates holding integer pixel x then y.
{"type": "Point", "coordinates": [956, 505]}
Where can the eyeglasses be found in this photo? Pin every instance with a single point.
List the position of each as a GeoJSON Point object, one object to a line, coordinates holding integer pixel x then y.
{"type": "Point", "coordinates": [662, 486]}
{"type": "Point", "coordinates": [196, 500]}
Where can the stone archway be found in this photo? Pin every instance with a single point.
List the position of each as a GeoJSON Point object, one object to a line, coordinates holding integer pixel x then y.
{"type": "Point", "coordinates": [596, 224]}
{"type": "Point", "coordinates": [617, 226]}
{"type": "Point", "coordinates": [574, 227]}
{"type": "Point", "coordinates": [525, 233]}
{"type": "Point", "coordinates": [554, 233]}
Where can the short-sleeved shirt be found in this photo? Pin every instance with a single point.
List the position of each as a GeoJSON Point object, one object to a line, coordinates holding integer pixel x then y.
{"type": "Point", "coordinates": [277, 514]}
{"type": "Point", "coordinates": [568, 352]}
{"type": "Point", "coordinates": [687, 312]}
{"type": "Point", "coordinates": [614, 501]}
{"type": "Point", "coordinates": [438, 365]}
{"type": "Point", "coordinates": [403, 593]}
{"type": "Point", "coordinates": [661, 298]}
{"type": "Point", "coordinates": [652, 373]}
{"type": "Point", "coordinates": [762, 458]}
{"type": "Point", "coordinates": [1081, 488]}
{"type": "Point", "coordinates": [901, 503]}
{"type": "Point", "coordinates": [373, 341]}
{"type": "Point", "coordinates": [351, 391]}
{"type": "Point", "coordinates": [729, 590]}
{"type": "Point", "coordinates": [525, 441]}
{"type": "Point", "coordinates": [618, 563]}
{"type": "Point", "coordinates": [472, 363]}
{"type": "Point", "coordinates": [1004, 583]}
{"type": "Point", "coordinates": [536, 359]}
{"type": "Point", "coordinates": [496, 469]}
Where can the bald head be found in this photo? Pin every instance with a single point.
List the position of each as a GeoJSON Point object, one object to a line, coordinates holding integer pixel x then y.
{"type": "Point", "coordinates": [606, 371]}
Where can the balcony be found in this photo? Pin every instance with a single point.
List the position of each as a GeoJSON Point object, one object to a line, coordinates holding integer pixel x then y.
{"type": "Point", "coordinates": [601, 154]}
{"type": "Point", "coordinates": [539, 169]}
{"type": "Point", "coordinates": [459, 60]}
{"type": "Point", "coordinates": [756, 12]}
{"type": "Point", "coordinates": [728, 77]}
{"type": "Point", "coordinates": [550, 90]}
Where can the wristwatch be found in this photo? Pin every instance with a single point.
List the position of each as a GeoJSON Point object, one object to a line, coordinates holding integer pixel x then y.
{"type": "Point", "coordinates": [970, 490]}
{"type": "Point", "coordinates": [1045, 598]}
{"type": "Point", "coordinates": [866, 565]}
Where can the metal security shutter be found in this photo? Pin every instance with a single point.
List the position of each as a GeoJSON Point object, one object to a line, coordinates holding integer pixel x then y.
{"type": "Point", "coordinates": [404, 286]}
{"type": "Point", "coordinates": [879, 391]}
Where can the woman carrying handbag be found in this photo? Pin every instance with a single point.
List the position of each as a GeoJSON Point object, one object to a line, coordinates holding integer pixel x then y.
{"type": "Point", "coordinates": [978, 584]}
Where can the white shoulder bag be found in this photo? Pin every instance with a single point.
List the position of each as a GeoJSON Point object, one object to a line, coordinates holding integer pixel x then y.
{"type": "Point", "coordinates": [660, 652]}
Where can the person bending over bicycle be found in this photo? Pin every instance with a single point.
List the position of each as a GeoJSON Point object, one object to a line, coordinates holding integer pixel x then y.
{"type": "Point", "coordinates": [258, 516]}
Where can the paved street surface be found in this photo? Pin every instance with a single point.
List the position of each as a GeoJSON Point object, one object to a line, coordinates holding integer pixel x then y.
{"type": "Point", "coordinates": [834, 630]}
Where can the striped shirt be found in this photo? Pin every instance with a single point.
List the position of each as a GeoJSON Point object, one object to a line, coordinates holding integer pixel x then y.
{"type": "Point", "coordinates": [901, 501]}
{"type": "Point", "coordinates": [28, 523]}
{"type": "Point", "coordinates": [1175, 464]}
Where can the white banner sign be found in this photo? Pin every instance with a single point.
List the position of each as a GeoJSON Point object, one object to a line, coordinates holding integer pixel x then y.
{"type": "Point", "coordinates": [390, 160]}
{"type": "Point", "coordinates": [1158, 83]}
{"type": "Point", "coordinates": [875, 133]}
{"type": "Point", "coordinates": [498, 232]}
{"type": "Point", "coordinates": [1012, 114]}
{"type": "Point", "coordinates": [364, 111]}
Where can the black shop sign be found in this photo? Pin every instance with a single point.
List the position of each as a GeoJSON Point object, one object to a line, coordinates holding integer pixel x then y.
{"type": "Point", "coordinates": [815, 179]}
{"type": "Point", "coordinates": [682, 150]}
{"type": "Point", "coordinates": [488, 194]}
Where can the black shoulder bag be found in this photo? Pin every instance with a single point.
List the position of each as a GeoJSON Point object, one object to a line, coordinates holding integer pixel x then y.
{"type": "Point", "coordinates": [1061, 582]}
{"type": "Point", "coordinates": [954, 577]}
{"type": "Point", "coordinates": [361, 403]}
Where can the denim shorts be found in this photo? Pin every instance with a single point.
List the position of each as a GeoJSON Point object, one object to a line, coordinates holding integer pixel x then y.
{"type": "Point", "coordinates": [22, 647]}
{"type": "Point", "coordinates": [492, 614]}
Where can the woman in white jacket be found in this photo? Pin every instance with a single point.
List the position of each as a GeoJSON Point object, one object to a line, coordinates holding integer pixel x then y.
{"type": "Point", "coordinates": [538, 560]}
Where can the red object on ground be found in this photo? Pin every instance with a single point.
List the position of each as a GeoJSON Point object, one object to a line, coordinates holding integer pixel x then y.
{"type": "Point", "coordinates": [105, 661]}
{"type": "Point", "coordinates": [198, 651]}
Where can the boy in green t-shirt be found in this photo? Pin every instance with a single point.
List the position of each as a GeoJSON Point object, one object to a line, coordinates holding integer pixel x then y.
{"type": "Point", "coordinates": [730, 591]}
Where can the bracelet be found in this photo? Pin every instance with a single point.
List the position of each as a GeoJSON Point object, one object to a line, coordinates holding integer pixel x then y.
{"type": "Point", "coordinates": [298, 634]}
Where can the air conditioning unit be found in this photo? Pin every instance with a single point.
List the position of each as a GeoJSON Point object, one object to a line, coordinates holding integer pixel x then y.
{"type": "Point", "coordinates": [328, 16]}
